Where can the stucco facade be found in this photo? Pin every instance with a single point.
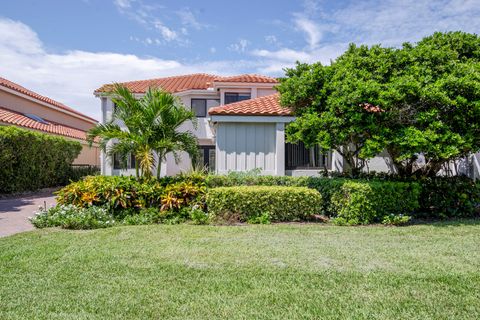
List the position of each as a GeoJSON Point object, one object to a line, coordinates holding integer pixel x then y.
{"type": "Point", "coordinates": [24, 108]}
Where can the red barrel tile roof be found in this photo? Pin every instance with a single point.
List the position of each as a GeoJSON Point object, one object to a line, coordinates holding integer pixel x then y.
{"type": "Point", "coordinates": [263, 106]}
{"type": "Point", "coordinates": [18, 119]}
{"type": "Point", "coordinates": [249, 78]}
{"type": "Point", "coordinates": [16, 87]}
{"type": "Point", "coordinates": [200, 81]}
{"type": "Point", "coordinates": [197, 81]}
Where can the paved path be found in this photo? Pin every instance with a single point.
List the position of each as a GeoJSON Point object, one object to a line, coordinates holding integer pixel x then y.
{"type": "Point", "coordinates": [14, 212]}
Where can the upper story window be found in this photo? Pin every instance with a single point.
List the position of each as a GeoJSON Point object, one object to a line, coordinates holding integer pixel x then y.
{"type": "Point", "coordinates": [231, 97]}
{"type": "Point", "coordinates": [201, 106]}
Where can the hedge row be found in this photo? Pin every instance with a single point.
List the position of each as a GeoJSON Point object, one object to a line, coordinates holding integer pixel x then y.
{"type": "Point", "coordinates": [437, 198]}
{"type": "Point", "coordinates": [274, 203]}
{"type": "Point", "coordinates": [31, 160]}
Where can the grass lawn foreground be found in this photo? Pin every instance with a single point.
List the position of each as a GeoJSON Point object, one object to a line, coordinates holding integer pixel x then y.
{"type": "Point", "coordinates": [280, 271]}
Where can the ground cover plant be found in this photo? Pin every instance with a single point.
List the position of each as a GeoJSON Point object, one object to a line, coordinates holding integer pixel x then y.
{"type": "Point", "coordinates": [277, 271]}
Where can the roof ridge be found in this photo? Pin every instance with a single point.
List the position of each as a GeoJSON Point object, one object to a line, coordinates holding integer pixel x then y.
{"type": "Point", "coordinates": [171, 77]}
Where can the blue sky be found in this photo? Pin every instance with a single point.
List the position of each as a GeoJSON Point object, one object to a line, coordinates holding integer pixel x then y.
{"type": "Point", "coordinates": [65, 49]}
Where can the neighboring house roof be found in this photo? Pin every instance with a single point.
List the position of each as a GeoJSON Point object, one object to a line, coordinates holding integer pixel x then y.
{"type": "Point", "coordinates": [18, 119]}
{"type": "Point", "coordinates": [263, 106]}
{"type": "Point", "coordinates": [248, 78]}
{"type": "Point", "coordinates": [197, 81]}
{"type": "Point", "coordinates": [16, 87]}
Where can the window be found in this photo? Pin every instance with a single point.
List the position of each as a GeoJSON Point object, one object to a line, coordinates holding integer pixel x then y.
{"type": "Point", "coordinates": [117, 162]}
{"type": "Point", "coordinates": [35, 117]}
{"type": "Point", "coordinates": [207, 157]}
{"type": "Point", "coordinates": [231, 97]}
{"type": "Point", "coordinates": [201, 106]}
{"type": "Point", "coordinates": [297, 156]}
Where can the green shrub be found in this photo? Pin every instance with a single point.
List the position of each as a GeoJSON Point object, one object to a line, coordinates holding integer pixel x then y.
{"type": "Point", "coordinates": [396, 219]}
{"type": "Point", "coordinates": [198, 216]}
{"type": "Point", "coordinates": [72, 217]}
{"type": "Point", "coordinates": [142, 217]}
{"type": "Point", "coordinates": [31, 160]}
{"type": "Point", "coordinates": [364, 202]}
{"type": "Point", "coordinates": [118, 193]}
{"type": "Point", "coordinates": [240, 203]}
{"type": "Point", "coordinates": [262, 218]}
{"type": "Point", "coordinates": [449, 197]}
{"type": "Point", "coordinates": [76, 173]}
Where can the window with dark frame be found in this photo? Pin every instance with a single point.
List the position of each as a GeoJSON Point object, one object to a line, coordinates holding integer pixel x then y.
{"type": "Point", "coordinates": [118, 165]}
{"type": "Point", "coordinates": [207, 157]}
{"type": "Point", "coordinates": [297, 156]}
{"type": "Point", "coordinates": [201, 106]}
{"type": "Point", "coordinates": [231, 97]}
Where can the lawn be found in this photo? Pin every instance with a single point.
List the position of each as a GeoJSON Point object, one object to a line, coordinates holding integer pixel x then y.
{"type": "Point", "coordinates": [283, 271]}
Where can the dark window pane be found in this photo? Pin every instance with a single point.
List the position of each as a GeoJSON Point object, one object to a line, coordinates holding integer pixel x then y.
{"type": "Point", "coordinates": [117, 163]}
{"type": "Point", "coordinates": [297, 156]}
{"type": "Point", "coordinates": [231, 97]}
{"type": "Point", "coordinates": [207, 157]}
{"type": "Point", "coordinates": [132, 161]}
{"type": "Point", "coordinates": [199, 106]}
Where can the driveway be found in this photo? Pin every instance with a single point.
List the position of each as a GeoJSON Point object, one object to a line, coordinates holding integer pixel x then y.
{"type": "Point", "coordinates": [14, 212]}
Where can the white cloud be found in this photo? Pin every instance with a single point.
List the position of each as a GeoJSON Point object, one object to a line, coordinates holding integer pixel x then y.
{"type": "Point", "coordinates": [388, 22]}
{"type": "Point", "coordinates": [213, 50]}
{"type": "Point", "coordinates": [310, 28]}
{"type": "Point", "coordinates": [188, 19]}
{"type": "Point", "coordinates": [240, 46]}
{"type": "Point", "coordinates": [123, 4]}
{"type": "Point", "coordinates": [271, 39]}
{"type": "Point", "coordinates": [167, 33]}
{"type": "Point", "coordinates": [71, 77]}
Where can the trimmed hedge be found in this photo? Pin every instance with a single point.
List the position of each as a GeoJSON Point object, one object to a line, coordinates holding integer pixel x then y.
{"type": "Point", "coordinates": [244, 203]}
{"type": "Point", "coordinates": [31, 160]}
{"type": "Point", "coordinates": [365, 202]}
{"type": "Point", "coordinates": [438, 198]}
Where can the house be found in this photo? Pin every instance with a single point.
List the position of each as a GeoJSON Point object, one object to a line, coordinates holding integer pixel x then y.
{"type": "Point", "coordinates": [241, 127]}
{"type": "Point", "coordinates": [29, 110]}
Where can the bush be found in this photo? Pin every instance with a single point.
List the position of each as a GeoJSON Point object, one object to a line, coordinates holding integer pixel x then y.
{"type": "Point", "coordinates": [241, 203]}
{"type": "Point", "coordinates": [449, 197]}
{"type": "Point", "coordinates": [72, 217]}
{"type": "Point", "coordinates": [365, 202]}
{"type": "Point", "coordinates": [78, 172]}
{"type": "Point", "coordinates": [31, 160]}
{"type": "Point", "coordinates": [118, 193]}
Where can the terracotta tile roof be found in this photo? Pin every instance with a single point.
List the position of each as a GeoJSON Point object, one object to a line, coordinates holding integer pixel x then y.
{"type": "Point", "coordinates": [263, 106]}
{"type": "Point", "coordinates": [249, 78]}
{"type": "Point", "coordinates": [18, 119]}
{"type": "Point", "coordinates": [200, 81]}
{"type": "Point", "coordinates": [13, 86]}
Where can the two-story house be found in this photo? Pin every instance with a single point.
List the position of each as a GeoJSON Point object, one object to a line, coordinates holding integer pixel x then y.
{"type": "Point", "coordinates": [241, 127]}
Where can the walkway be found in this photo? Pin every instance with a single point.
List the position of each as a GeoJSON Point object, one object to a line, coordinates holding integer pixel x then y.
{"type": "Point", "coordinates": [14, 212]}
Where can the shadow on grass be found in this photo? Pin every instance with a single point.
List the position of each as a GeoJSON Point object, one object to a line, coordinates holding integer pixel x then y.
{"type": "Point", "coordinates": [449, 222]}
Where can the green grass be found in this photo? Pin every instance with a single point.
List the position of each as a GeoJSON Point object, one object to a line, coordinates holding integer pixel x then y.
{"type": "Point", "coordinates": [282, 271]}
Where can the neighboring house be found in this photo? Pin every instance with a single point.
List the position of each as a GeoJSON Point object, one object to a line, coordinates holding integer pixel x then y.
{"type": "Point", "coordinates": [241, 127]}
{"type": "Point", "coordinates": [26, 109]}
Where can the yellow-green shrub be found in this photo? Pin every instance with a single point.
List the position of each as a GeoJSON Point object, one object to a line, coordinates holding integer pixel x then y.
{"type": "Point", "coordinates": [281, 203]}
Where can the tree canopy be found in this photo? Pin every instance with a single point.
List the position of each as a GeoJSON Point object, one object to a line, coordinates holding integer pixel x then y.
{"type": "Point", "coordinates": [422, 99]}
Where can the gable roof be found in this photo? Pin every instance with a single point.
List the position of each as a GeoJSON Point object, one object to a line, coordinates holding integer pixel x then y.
{"type": "Point", "coordinates": [196, 81]}
{"type": "Point", "coordinates": [20, 89]}
{"type": "Point", "coordinates": [263, 106]}
{"type": "Point", "coordinates": [248, 78]}
{"type": "Point", "coordinates": [18, 119]}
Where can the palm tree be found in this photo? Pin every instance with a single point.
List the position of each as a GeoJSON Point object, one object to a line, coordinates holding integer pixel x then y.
{"type": "Point", "coordinates": [150, 126]}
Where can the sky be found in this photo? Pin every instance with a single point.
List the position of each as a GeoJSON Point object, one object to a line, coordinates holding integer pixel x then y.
{"type": "Point", "coordinates": [65, 49]}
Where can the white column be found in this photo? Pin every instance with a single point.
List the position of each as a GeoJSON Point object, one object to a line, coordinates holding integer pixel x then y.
{"type": "Point", "coordinates": [280, 149]}
{"type": "Point", "coordinates": [254, 93]}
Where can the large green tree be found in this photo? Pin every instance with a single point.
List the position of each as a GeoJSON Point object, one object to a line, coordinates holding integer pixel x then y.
{"type": "Point", "coordinates": [420, 99]}
{"type": "Point", "coordinates": [145, 127]}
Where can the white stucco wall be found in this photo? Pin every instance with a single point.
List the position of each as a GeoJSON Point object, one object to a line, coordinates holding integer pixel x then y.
{"type": "Point", "coordinates": [246, 146]}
